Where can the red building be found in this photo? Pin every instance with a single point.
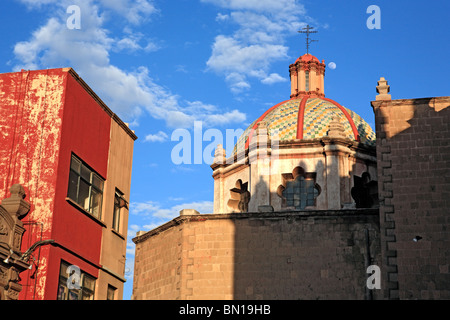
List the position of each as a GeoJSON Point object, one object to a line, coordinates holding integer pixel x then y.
{"type": "Point", "coordinates": [73, 156]}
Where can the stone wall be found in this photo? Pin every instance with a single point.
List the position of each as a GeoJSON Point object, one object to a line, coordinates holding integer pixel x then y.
{"type": "Point", "coordinates": [271, 255]}
{"type": "Point", "coordinates": [157, 265]}
{"type": "Point", "coordinates": [413, 151]}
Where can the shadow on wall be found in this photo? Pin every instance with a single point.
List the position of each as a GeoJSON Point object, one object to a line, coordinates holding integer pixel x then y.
{"type": "Point", "coordinates": [413, 148]}
{"type": "Point", "coordinates": [307, 254]}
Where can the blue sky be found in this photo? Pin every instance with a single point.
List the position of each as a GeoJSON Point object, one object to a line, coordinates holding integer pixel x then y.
{"type": "Point", "coordinates": [162, 65]}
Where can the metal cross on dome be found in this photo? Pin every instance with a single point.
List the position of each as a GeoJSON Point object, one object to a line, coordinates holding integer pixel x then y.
{"type": "Point", "coordinates": [308, 40]}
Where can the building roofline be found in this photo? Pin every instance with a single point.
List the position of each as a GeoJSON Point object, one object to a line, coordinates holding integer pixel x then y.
{"type": "Point", "coordinates": [257, 215]}
{"type": "Point", "coordinates": [412, 101]}
{"type": "Point", "coordinates": [103, 105]}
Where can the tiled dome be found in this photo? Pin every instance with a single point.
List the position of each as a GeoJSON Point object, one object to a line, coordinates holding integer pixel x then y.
{"type": "Point", "coordinates": [308, 118]}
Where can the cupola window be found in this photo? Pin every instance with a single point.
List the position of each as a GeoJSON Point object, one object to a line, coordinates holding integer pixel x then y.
{"type": "Point", "coordinates": [299, 189]}
{"type": "Point", "coordinates": [307, 81]}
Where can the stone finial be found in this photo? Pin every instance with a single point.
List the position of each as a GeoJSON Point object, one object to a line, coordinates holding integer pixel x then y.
{"type": "Point", "coordinates": [261, 128]}
{"type": "Point", "coordinates": [383, 90]}
{"type": "Point", "coordinates": [337, 129]}
{"type": "Point", "coordinates": [189, 212]}
{"type": "Point", "coordinates": [262, 133]}
{"type": "Point", "coordinates": [220, 155]}
{"type": "Point", "coordinates": [15, 204]}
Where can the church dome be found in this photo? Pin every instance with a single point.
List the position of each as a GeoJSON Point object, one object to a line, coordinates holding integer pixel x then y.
{"type": "Point", "coordinates": [307, 57]}
{"type": "Point", "coordinates": [309, 118]}
{"type": "Point", "coordinates": [308, 115]}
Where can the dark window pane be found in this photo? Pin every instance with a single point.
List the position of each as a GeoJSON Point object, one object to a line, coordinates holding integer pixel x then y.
{"type": "Point", "coordinates": [73, 294]}
{"type": "Point", "coordinates": [96, 203]}
{"type": "Point", "coordinates": [88, 295]}
{"type": "Point", "coordinates": [86, 173]}
{"type": "Point", "coordinates": [63, 270]}
{"type": "Point", "coordinates": [83, 195]}
{"type": "Point", "coordinates": [75, 164]}
{"type": "Point", "coordinates": [62, 291]}
{"type": "Point", "coordinates": [97, 182]}
{"type": "Point", "coordinates": [116, 214]}
{"type": "Point", "coordinates": [73, 186]}
{"type": "Point", "coordinates": [88, 282]}
{"type": "Point", "coordinates": [111, 293]}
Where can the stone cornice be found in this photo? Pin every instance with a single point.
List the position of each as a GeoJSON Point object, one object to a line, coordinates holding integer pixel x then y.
{"type": "Point", "coordinates": [275, 215]}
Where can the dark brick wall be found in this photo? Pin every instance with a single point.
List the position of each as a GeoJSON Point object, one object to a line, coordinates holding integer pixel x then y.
{"type": "Point", "coordinates": [318, 255]}
{"type": "Point", "coordinates": [276, 255]}
{"type": "Point", "coordinates": [413, 151]}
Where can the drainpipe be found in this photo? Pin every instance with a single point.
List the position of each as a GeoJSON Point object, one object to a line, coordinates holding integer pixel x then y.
{"type": "Point", "coordinates": [367, 263]}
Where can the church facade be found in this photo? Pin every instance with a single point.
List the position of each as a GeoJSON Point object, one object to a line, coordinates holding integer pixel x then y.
{"type": "Point", "coordinates": [310, 201]}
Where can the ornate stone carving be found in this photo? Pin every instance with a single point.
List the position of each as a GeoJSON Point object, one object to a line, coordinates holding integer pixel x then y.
{"type": "Point", "coordinates": [3, 229]}
{"type": "Point", "coordinates": [336, 129]}
{"type": "Point", "coordinates": [12, 210]}
{"type": "Point", "coordinates": [383, 90]}
{"type": "Point", "coordinates": [239, 197]}
{"type": "Point", "coordinates": [15, 204]}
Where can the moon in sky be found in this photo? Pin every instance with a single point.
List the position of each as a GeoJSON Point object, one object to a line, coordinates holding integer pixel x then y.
{"type": "Point", "coordinates": [332, 65]}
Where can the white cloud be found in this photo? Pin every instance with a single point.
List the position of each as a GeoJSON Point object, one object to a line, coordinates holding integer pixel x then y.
{"type": "Point", "coordinates": [154, 210]}
{"type": "Point", "coordinates": [222, 17]}
{"type": "Point", "coordinates": [37, 3]}
{"type": "Point", "coordinates": [273, 78]}
{"type": "Point", "coordinates": [257, 5]}
{"type": "Point", "coordinates": [158, 137]}
{"type": "Point", "coordinates": [258, 40]}
{"type": "Point", "coordinates": [127, 93]}
{"type": "Point", "coordinates": [135, 11]}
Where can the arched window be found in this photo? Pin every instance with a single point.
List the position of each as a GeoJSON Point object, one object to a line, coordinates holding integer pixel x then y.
{"type": "Point", "coordinates": [300, 193]}
{"type": "Point", "coordinates": [299, 189]}
{"type": "Point", "coordinates": [365, 191]}
{"type": "Point", "coordinates": [239, 197]}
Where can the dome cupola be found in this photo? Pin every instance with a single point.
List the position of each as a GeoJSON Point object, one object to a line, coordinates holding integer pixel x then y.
{"type": "Point", "coordinates": [307, 77]}
{"type": "Point", "coordinates": [307, 152]}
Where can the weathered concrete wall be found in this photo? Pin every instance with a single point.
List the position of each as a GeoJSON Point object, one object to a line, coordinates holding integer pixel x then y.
{"type": "Point", "coordinates": [30, 120]}
{"type": "Point", "coordinates": [413, 151]}
{"type": "Point", "coordinates": [113, 249]}
{"type": "Point", "coordinates": [277, 255]}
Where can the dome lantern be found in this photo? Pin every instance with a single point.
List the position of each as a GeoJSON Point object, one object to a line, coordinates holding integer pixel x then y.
{"type": "Point", "coordinates": [307, 77]}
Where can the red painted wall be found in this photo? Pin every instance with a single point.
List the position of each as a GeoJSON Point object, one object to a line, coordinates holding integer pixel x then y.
{"type": "Point", "coordinates": [30, 126]}
{"type": "Point", "coordinates": [45, 116]}
{"type": "Point", "coordinates": [85, 132]}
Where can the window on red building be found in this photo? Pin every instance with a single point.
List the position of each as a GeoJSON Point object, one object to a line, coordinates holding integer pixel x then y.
{"type": "Point", "coordinates": [74, 284]}
{"type": "Point", "coordinates": [85, 187]}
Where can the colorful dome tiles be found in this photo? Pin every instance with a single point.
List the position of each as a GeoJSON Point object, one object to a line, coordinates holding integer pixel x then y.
{"type": "Point", "coordinates": [314, 116]}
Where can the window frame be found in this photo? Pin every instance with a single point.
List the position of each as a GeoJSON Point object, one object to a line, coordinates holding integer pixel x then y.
{"type": "Point", "coordinates": [119, 203]}
{"type": "Point", "coordinates": [110, 289]}
{"type": "Point", "coordinates": [79, 171]}
{"type": "Point", "coordinates": [301, 190]}
{"type": "Point", "coordinates": [307, 80]}
{"type": "Point", "coordinates": [65, 293]}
